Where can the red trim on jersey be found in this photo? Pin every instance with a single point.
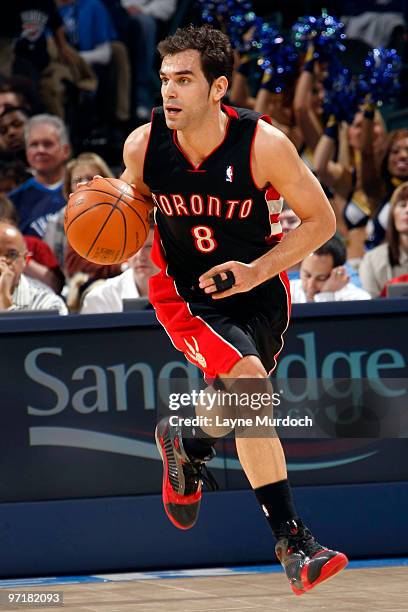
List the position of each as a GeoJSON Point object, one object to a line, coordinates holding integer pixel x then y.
{"type": "Point", "coordinates": [230, 111]}
{"type": "Point", "coordinates": [191, 335]}
{"type": "Point", "coordinates": [283, 277]}
{"type": "Point", "coordinates": [274, 218]}
{"type": "Point", "coordinates": [274, 239]}
{"type": "Point", "coordinates": [272, 194]}
{"type": "Point", "coordinates": [197, 168]}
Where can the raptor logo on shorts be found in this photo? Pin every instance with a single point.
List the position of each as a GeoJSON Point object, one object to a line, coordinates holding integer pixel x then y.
{"type": "Point", "coordinates": [194, 354]}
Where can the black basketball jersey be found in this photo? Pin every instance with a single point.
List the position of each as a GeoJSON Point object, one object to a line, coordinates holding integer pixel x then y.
{"type": "Point", "coordinates": [214, 212]}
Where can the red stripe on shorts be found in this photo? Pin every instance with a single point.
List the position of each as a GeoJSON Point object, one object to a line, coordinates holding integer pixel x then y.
{"type": "Point", "coordinates": [190, 334]}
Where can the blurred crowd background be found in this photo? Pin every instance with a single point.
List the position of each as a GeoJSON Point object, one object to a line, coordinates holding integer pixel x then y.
{"type": "Point", "coordinates": [76, 76]}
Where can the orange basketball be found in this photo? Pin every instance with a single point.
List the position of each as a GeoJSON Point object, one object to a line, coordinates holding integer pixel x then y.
{"type": "Point", "coordinates": [106, 221]}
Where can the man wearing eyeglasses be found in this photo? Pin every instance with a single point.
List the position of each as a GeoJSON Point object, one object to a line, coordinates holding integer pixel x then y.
{"type": "Point", "coordinates": [17, 291]}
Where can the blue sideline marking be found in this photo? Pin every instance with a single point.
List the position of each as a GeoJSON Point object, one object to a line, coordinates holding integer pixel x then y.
{"type": "Point", "coordinates": [189, 573]}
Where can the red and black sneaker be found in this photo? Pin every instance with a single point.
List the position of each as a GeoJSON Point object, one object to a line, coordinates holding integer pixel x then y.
{"type": "Point", "coordinates": [182, 476]}
{"type": "Point", "coordinates": [305, 561]}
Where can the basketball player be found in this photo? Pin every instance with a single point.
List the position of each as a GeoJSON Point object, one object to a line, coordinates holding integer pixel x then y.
{"type": "Point", "coordinates": [216, 176]}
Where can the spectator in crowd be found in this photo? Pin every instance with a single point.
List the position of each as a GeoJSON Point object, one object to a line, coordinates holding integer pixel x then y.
{"type": "Point", "coordinates": [47, 150]}
{"type": "Point", "coordinates": [68, 89]}
{"type": "Point", "coordinates": [145, 18]}
{"type": "Point", "coordinates": [12, 122]}
{"type": "Point", "coordinates": [289, 221]}
{"type": "Point", "coordinates": [279, 107]}
{"type": "Point", "coordinates": [379, 181]}
{"type": "Point", "coordinates": [378, 23]}
{"type": "Point", "coordinates": [19, 91]}
{"type": "Point", "coordinates": [244, 83]}
{"type": "Point", "coordinates": [108, 295]}
{"type": "Point", "coordinates": [18, 291]}
{"type": "Point", "coordinates": [250, 88]}
{"type": "Point", "coordinates": [390, 259]}
{"type": "Point", "coordinates": [90, 29]}
{"type": "Point", "coordinates": [79, 170]}
{"type": "Point", "coordinates": [78, 271]}
{"type": "Point", "coordinates": [12, 174]}
{"type": "Point", "coordinates": [24, 31]}
{"type": "Point", "coordinates": [324, 278]}
{"type": "Point", "coordinates": [343, 174]}
{"type": "Point", "coordinates": [41, 263]}
{"type": "Point", "coordinates": [9, 98]}
{"type": "Point", "coordinates": [308, 105]}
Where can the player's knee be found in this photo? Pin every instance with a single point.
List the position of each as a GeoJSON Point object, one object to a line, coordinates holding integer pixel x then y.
{"type": "Point", "coordinates": [249, 366]}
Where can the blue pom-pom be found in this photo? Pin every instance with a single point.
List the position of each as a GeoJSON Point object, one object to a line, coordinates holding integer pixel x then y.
{"type": "Point", "coordinates": [208, 10]}
{"type": "Point", "coordinates": [380, 78]}
{"type": "Point", "coordinates": [278, 66]}
{"type": "Point", "coordinates": [342, 93]}
{"type": "Point", "coordinates": [237, 25]}
{"type": "Point", "coordinates": [264, 37]}
{"type": "Point", "coordinates": [276, 58]}
{"type": "Point", "coordinates": [325, 32]}
{"type": "Point", "coordinates": [235, 17]}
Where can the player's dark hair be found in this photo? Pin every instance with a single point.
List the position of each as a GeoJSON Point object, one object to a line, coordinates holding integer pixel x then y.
{"type": "Point", "coordinates": [214, 47]}
{"type": "Point", "coordinates": [334, 247]}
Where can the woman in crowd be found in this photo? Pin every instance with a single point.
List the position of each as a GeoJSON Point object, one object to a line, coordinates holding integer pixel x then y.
{"type": "Point", "coordinates": [77, 269]}
{"type": "Point", "coordinates": [279, 106]}
{"type": "Point", "coordinates": [390, 259]}
{"type": "Point", "coordinates": [296, 110]}
{"type": "Point", "coordinates": [82, 168]}
{"type": "Point", "coordinates": [308, 106]}
{"type": "Point", "coordinates": [41, 263]}
{"type": "Point", "coordinates": [380, 180]}
{"type": "Point", "coordinates": [339, 165]}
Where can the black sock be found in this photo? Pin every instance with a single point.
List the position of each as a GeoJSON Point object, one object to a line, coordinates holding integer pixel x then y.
{"type": "Point", "coordinates": [277, 504]}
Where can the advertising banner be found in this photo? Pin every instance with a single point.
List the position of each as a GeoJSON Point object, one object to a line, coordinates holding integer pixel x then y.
{"type": "Point", "coordinates": [79, 405]}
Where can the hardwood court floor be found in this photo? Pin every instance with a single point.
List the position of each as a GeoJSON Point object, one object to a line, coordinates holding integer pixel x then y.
{"type": "Point", "coordinates": [355, 590]}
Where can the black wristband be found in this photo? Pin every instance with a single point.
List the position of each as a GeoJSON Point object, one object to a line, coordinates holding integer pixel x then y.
{"type": "Point", "coordinates": [244, 68]}
{"type": "Point", "coordinates": [332, 131]}
{"type": "Point", "coordinates": [309, 66]}
{"type": "Point", "coordinates": [223, 285]}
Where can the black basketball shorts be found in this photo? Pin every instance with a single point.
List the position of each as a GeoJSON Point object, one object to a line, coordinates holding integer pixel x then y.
{"type": "Point", "coordinates": [215, 334]}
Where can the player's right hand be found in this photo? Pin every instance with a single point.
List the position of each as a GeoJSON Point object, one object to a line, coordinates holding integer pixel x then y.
{"type": "Point", "coordinates": [84, 183]}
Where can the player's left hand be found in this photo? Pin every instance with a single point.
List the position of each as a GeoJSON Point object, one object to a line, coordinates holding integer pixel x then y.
{"type": "Point", "coordinates": [246, 278]}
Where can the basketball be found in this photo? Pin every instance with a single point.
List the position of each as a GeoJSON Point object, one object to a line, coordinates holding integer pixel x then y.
{"type": "Point", "coordinates": [106, 221]}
